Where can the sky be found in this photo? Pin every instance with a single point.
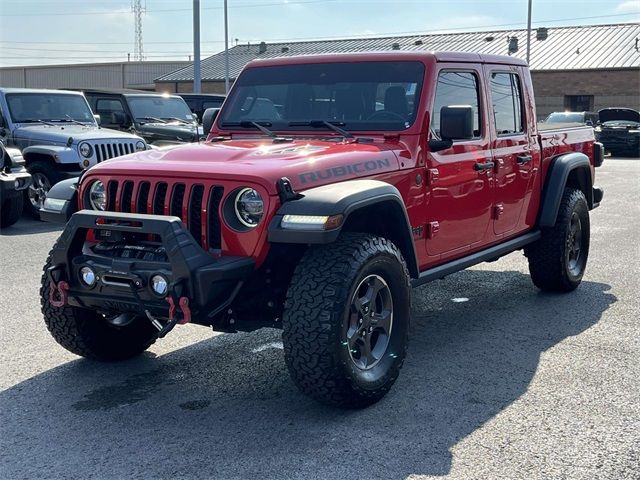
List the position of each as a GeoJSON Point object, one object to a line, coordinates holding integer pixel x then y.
{"type": "Point", "coordinates": [38, 32]}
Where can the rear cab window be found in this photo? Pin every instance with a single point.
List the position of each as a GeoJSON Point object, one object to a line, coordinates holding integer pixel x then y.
{"type": "Point", "coordinates": [506, 103]}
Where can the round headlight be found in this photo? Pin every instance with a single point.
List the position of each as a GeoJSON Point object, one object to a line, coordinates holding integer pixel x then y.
{"type": "Point", "coordinates": [85, 150]}
{"type": "Point", "coordinates": [97, 196]}
{"type": "Point", "coordinates": [249, 207]}
{"type": "Point", "coordinates": [140, 146]}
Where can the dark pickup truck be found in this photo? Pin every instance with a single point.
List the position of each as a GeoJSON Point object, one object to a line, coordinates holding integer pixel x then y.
{"type": "Point", "coordinates": [161, 119]}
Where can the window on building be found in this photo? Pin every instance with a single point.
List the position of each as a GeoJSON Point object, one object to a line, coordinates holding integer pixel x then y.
{"type": "Point", "coordinates": [456, 88]}
{"type": "Point", "coordinates": [506, 99]}
{"type": "Point", "coordinates": [578, 103]}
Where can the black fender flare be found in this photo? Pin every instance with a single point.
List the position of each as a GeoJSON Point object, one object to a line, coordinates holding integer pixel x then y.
{"type": "Point", "coordinates": [66, 191]}
{"type": "Point", "coordinates": [557, 179]}
{"type": "Point", "coordinates": [345, 198]}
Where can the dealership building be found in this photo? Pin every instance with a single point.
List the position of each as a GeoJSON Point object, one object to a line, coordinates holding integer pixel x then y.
{"type": "Point", "coordinates": [138, 75]}
{"type": "Point", "coordinates": [573, 68]}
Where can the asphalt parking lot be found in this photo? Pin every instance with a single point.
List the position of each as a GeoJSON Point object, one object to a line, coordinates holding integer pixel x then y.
{"type": "Point", "coordinates": [501, 381]}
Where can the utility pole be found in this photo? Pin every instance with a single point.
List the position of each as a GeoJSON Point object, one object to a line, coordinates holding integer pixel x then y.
{"type": "Point", "coordinates": [196, 47]}
{"type": "Point", "coordinates": [529, 32]}
{"type": "Point", "coordinates": [226, 48]}
{"type": "Point", "coordinates": [138, 9]}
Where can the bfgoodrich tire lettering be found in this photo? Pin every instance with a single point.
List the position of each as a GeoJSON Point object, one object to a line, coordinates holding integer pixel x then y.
{"type": "Point", "coordinates": [558, 260]}
{"type": "Point", "coordinates": [318, 313]}
{"type": "Point", "coordinates": [86, 333]}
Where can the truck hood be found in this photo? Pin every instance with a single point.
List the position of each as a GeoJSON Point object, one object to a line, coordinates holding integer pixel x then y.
{"type": "Point", "coordinates": [618, 114]}
{"type": "Point", "coordinates": [306, 163]}
{"type": "Point", "coordinates": [60, 134]}
{"type": "Point", "coordinates": [180, 132]}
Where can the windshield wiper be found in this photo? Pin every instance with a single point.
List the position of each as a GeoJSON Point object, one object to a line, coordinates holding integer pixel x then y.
{"type": "Point", "coordinates": [36, 120]}
{"type": "Point", "coordinates": [262, 126]}
{"type": "Point", "coordinates": [177, 120]}
{"type": "Point", "coordinates": [153, 119]}
{"type": "Point", "coordinates": [68, 119]}
{"type": "Point", "coordinates": [324, 123]}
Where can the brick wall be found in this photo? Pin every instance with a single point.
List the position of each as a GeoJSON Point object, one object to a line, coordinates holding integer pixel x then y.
{"type": "Point", "coordinates": [610, 88]}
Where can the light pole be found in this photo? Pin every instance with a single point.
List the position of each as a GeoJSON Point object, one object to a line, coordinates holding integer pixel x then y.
{"type": "Point", "coordinates": [226, 48]}
{"type": "Point", "coordinates": [196, 47]}
{"type": "Point", "coordinates": [529, 32]}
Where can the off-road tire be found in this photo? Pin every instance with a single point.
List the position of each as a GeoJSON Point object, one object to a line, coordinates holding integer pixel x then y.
{"type": "Point", "coordinates": [48, 170]}
{"type": "Point", "coordinates": [87, 333]}
{"type": "Point", "coordinates": [316, 315]}
{"type": "Point", "coordinates": [548, 259]}
{"type": "Point", "coordinates": [11, 210]}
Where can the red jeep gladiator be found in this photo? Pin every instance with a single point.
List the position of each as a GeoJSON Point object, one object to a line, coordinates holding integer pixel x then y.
{"type": "Point", "coordinates": [328, 186]}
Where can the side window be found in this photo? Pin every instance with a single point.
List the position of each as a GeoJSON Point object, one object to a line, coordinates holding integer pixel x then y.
{"type": "Point", "coordinates": [456, 88]}
{"type": "Point", "coordinates": [506, 99]}
{"type": "Point", "coordinates": [106, 106]}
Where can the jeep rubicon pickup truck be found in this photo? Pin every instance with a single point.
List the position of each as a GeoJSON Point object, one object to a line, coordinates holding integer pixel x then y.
{"type": "Point", "coordinates": [328, 186]}
{"type": "Point", "coordinates": [58, 136]}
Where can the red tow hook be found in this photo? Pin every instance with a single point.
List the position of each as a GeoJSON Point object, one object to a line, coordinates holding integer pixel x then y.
{"type": "Point", "coordinates": [58, 293]}
{"type": "Point", "coordinates": [183, 304]}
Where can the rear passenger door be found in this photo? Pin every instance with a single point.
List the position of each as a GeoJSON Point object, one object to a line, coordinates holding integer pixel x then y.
{"type": "Point", "coordinates": [513, 147]}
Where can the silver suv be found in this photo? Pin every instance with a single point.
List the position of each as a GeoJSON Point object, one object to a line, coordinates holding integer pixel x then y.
{"type": "Point", "coordinates": [58, 135]}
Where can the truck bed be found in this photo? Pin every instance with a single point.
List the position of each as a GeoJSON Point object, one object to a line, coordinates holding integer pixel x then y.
{"type": "Point", "coordinates": [564, 138]}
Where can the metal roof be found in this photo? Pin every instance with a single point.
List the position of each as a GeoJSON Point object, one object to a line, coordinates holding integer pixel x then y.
{"type": "Point", "coordinates": [565, 48]}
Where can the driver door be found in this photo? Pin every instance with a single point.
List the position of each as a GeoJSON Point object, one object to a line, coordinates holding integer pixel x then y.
{"type": "Point", "coordinates": [460, 193]}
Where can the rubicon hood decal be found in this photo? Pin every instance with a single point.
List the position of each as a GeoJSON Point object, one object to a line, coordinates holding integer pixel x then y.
{"type": "Point", "coordinates": [368, 167]}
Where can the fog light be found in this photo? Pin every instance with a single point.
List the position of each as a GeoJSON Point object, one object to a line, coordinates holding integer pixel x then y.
{"type": "Point", "coordinates": [88, 276]}
{"type": "Point", "coordinates": [159, 285]}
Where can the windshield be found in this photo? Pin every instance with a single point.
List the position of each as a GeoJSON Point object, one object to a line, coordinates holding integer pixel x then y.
{"type": "Point", "coordinates": [355, 96]}
{"type": "Point", "coordinates": [33, 107]}
{"type": "Point", "coordinates": [566, 117]}
{"type": "Point", "coordinates": [149, 107]}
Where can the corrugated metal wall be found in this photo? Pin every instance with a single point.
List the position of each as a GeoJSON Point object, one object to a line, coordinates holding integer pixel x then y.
{"type": "Point", "coordinates": [98, 75]}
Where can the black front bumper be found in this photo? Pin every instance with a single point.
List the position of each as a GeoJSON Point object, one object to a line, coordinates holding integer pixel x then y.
{"type": "Point", "coordinates": [13, 184]}
{"type": "Point", "coordinates": [123, 284]}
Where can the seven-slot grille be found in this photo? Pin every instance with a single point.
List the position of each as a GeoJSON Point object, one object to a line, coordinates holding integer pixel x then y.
{"type": "Point", "coordinates": [196, 204]}
{"type": "Point", "coordinates": [105, 151]}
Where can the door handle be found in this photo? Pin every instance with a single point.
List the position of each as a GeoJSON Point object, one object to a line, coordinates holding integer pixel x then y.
{"type": "Point", "coordinates": [484, 166]}
{"type": "Point", "coordinates": [522, 159]}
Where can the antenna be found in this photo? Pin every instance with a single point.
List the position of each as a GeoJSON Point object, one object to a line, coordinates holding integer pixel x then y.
{"type": "Point", "coordinates": [138, 9]}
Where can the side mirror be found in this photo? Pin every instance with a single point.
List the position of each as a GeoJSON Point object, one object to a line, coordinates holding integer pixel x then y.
{"type": "Point", "coordinates": [208, 117]}
{"type": "Point", "coordinates": [589, 123]}
{"type": "Point", "coordinates": [119, 118]}
{"type": "Point", "coordinates": [456, 122]}
{"type": "Point", "coordinates": [97, 119]}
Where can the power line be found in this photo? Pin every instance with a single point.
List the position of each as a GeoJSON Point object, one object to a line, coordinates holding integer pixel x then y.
{"type": "Point", "coordinates": [170, 10]}
{"type": "Point", "coordinates": [376, 35]}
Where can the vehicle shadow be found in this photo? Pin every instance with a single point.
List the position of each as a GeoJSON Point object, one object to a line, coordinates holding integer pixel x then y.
{"type": "Point", "coordinates": [225, 407]}
{"type": "Point", "coordinates": [28, 226]}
